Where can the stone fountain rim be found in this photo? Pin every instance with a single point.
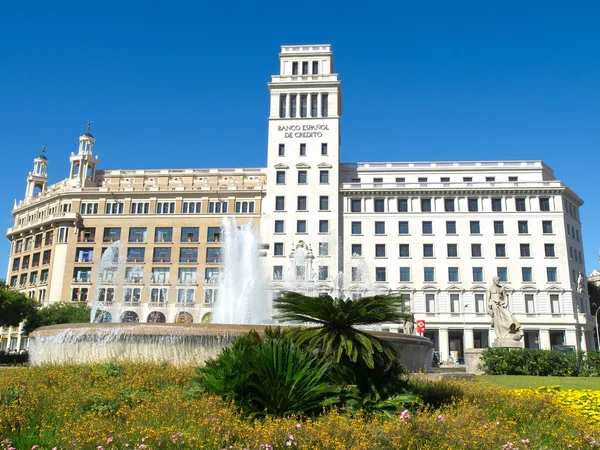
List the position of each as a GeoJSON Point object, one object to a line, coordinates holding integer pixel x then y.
{"type": "Point", "coordinates": [194, 329]}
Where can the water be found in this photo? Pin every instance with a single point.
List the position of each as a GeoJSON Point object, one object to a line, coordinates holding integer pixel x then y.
{"type": "Point", "coordinates": [108, 286]}
{"type": "Point", "coordinates": [242, 297]}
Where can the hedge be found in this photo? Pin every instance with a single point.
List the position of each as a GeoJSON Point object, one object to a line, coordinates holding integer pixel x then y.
{"type": "Point", "coordinates": [530, 361]}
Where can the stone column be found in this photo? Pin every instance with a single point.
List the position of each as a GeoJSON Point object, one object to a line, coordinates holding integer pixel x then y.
{"type": "Point", "coordinates": [444, 345]}
{"type": "Point", "coordinates": [545, 339]}
{"type": "Point", "coordinates": [469, 341]}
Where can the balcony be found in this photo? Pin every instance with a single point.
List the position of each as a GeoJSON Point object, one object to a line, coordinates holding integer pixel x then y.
{"type": "Point", "coordinates": [137, 240]}
{"type": "Point", "coordinates": [87, 239]}
{"type": "Point", "coordinates": [187, 282]}
{"type": "Point", "coordinates": [134, 280]}
{"type": "Point", "coordinates": [161, 260]}
{"type": "Point", "coordinates": [83, 280]}
{"type": "Point", "coordinates": [132, 259]}
{"type": "Point", "coordinates": [84, 259]}
{"type": "Point", "coordinates": [213, 259]}
{"type": "Point", "coordinates": [188, 261]}
{"type": "Point", "coordinates": [111, 239]}
{"type": "Point", "coordinates": [158, 303]}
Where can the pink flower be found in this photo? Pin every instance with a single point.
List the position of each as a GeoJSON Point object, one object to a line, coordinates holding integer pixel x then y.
{"type": "Point", "coordinates": [288, 443]}
{"type": "Point", "coordinates": [109, 440]}
{"type": "Point", "coordinates": [100, 447]}
{"type": "Point", "coordinates": [441, 418]}
{"type": "Point", "coordinates": [291, 437]}
{"type": "Point", "coordinates": [35, 447]}
{"type": "Point", "coordinates": [404, 416]}
{"type": "Point", "coordinates": [297, 426]}
{"type": "Point", "coordinates": [11, 448]}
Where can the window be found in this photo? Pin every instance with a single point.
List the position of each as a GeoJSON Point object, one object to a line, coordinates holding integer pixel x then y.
{"type": "Point", "coordinates": [547, 227]}
{"type": "Point", "coordinates": [301, 226]}
{"type": "Point", "coordinates": [113, 208]}
{"type": "Point", "coordinates": [303, 105]}
{"type": "Point", "coordinates": [82, 255]}
{"type": "Point", "coordinates": [452, 250]}
{"type": "Point", "coordinates": [214, 234]}
{"type": "Point", "coordinates": [217, 207]}
{"type": "Point", "coordinates": [26, 262]}
{"type": "Point", "coordinates": [477, 274]}
{"type": "Point", "coordinates": [356, 227]}
{"type": "Point", "coordinates": [324, 149]}
{"type": "Point", "coordinates": [427, 227]}
{"type": "Point", "coordinates": [313, 105]}
{"type": "Point", "coordinates": [46, 257]}
{"type": "Point", "coordinates": [279, 226]}
{"type": "Point", "coordinates": [380, 274]}
{"type": "Point", "coordinates": [302, 149]}
{"type": "Point", "coordinates": [137, 234]}
{"type": "Point", "coordinates": [480, 303]}
{"type": "Point", "coordinates": [280, 179]}
{"type": "Point", "coordinates": [140, 208]}
{"type": "Point", "coordinates": [429, 274]}
{"type": "Point", "coordinates": [324, 177]}
{"type": "Point", "coordinates": [282, 106]}
{"type": "Point", "coordinates": [450, 227]}
{"type": "Point", "coordinates": [402, 227]}
{"type": "Point", "coordinates": [405, 274]}
{"type": "Point", "coordinates": [377, 180]}
{"type": "Point", "coordinates": [323, 273]}
{"type": "Point", "coordinates": [476, 251]}
{"type": "Point", "coordinates": [244, 207]}
{"type": "Point", "coordinates": [356, 274]}
{"type": "Point", "coordinates": [474, 227]}
{"type": "Point", "coordinates": [502, 273]}
{"type": "Point", "coordinates": [136, 254]}
{"type": "Point", "coordinates": [445, 179]}
{"type": "Point", "coordinates": [164, 234]}
{"type": "Point", "coordinates": [525, 250]}
{"type": "Point", "coordinates": [323, 203]}
{"type": "Point", "coordinates": [279, 203]}
{"type": "Point", "coordinates": [302, 177]}
{"type": "Point", "coordinates": [449, 204]}
{"type": "Point", "coordinates": [513, 179]}
{"type": "Point", "coordinates": [527, 274]}
{"type": "Point", "coordinates": [188, 255]}
{"type": "Point", "coordinates": [211, 274]}
{"type": "Point", "coordinates": [355, 205]}
{"type": "Point", "coordinates": [549, 250]}
{"type": "Point", "coordinates": [520, 204]}
{"type": "Point", "coordinates": [453, 274]}
{"type": "Point", "coordinates": [187, 275]}
{"type": "Point", "coordinates": [498, 227]}
{"type": "Point", "coordinates": [278, 249]}
{"type": "Point", "coordinates": [379, 250]}
{"type": "Point", "coordinates": [402, 205]}
{"type": "Point", "coordinates": [315, 67]}
{"type": "Point", "coordinates": [85, 235]}
{"type": "Point", "coordinates": [295, 68]}
{"type": "Point", "coordinates": [304, 67]}
{"type": "Point", "coordinates": [523, 227]}
{"type": "Point", "coordinates": [455, 303]}
{"type": "Point", "coordinates": [500, 250]}
{"type": "Point", "coordinates": [323, 249]}
{"type": "Point", "coordinates": [428, 250]}
{"type": "Point", "coordinates": [89, 208]}
{"type": "Point", "coordinates": [551, 274]}
{"type": "Point", "coordinates": [422, 179]}
{"type": "Point", "coordinates": [544, 204]}
{"type": "Point", "coordinates": [281, 149]}
{"type": "Point", "coordinates": [278, 272]}
{"type": "Point", "coordinates": [379, 227]}
{"type": "Point", "coordinates": [404, 250]}
{"type": "Point", "coordinates": [190, 234]}
{"type": "Point", "coordinates": [425, 204]}
{"type": "Point", "coordinates": [323, 226]}
{"type": "Point", "coordinates": [356, 250]}
{"type": "Point", "coordinates": [160, 275]}
{"type": "Point", "coordinates": [165, 208]}
{"type": "Point", "coordinates": [430, 303]}
{"type": "Point", "coordinates": [554, 304]}
{"type": "Point", "coordinates": [379, 205]}
{"type": "Point", "coordinates": [400, 180]}
{"type": "Point", "coordinates": [192, 207]}
{"type": "Point", "coordinates": [301, 203]}
{"type": "Point", "coordinates": [490, 179]}
{"type": "Point", "coordinates": [473, 205]}
{"type": "Point", "coordinates": [529, 304]}
{"type": "Point", "coordinates": [324, 105]}
{"type": "Point", "coordinates": [111, 234]}
{"type": "Point", "coordinates": [496, 204]}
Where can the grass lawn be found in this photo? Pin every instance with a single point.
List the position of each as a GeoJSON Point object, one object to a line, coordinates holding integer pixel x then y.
{"type": "Point", "coordinates": [526, 381]}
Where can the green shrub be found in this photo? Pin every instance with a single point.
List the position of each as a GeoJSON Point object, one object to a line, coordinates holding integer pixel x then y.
{"type": "Point", "coordinates": [436, 393]}
{"type": "Point", "coordinates": [528, 361]}
{"type": "Point", "coordinates": [273, 377]}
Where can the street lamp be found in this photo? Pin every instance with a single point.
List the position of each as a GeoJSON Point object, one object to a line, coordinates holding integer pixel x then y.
{"type": "Point", "coordinates": [597, 331]}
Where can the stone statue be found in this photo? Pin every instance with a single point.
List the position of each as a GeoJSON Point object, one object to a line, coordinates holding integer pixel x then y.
{"type": "Point", "coordinates": [505, 325]}
{"type": "Point", "coordinates": [409, 325]}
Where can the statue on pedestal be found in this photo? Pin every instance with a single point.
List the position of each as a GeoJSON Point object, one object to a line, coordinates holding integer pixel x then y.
{"type": "Point", "coordinates": [504, 323]}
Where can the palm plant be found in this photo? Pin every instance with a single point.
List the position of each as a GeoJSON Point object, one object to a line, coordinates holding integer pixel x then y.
{"type": "Point", "coordinates": [336, 333]}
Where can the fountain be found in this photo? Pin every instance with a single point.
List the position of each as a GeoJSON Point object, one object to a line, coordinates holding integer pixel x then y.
{"type": "Point", "coordinates": [243, 304]}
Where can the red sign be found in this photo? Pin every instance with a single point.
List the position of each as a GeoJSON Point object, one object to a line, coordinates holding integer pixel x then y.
{"type": "Point", "coordinates": [420, 326]}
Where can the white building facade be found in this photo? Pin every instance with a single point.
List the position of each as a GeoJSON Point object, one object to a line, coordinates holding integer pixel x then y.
{"type": "Point", "coordinates": [435, 232]}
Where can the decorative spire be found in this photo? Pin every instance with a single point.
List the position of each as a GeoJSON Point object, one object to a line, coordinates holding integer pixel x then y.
{"type": "Point", "coordinates": [89, 126]}
{"type": "Point", "coordinates": [43, 149]}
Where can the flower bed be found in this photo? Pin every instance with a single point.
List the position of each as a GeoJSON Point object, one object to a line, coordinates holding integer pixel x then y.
{"type": "Point", "coordinates": [150, 406]}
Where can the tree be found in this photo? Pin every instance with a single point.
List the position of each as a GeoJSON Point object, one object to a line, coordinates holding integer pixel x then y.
{"type": "Point", "coordinates": [337, 334]}
{"type": "Point", "coordinates": [594, 292]}
{"type": "Point", "coordinates": [14, 306]}
{"type": "Point", "coordinates": [58, 313]}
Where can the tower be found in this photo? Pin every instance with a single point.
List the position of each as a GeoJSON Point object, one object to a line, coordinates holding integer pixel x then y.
{"type": "Point", "coordinates": [84, 163]}
{"type": "Point", "coordinates": [302, 212]}
{"type": "Point", "coordinates": [37, 180]}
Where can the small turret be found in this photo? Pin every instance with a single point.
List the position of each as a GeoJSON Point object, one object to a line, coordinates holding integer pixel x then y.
{"type": "Point", "coordinates": [37, 180]}
{"type": "Point", "coordinates": [84, 163]}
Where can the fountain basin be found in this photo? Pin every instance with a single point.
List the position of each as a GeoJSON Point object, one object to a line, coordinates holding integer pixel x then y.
{"type": "Point", "coordinates": [174, 343]}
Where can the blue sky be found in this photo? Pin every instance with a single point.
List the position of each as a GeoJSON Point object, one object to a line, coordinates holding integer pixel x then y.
{"type": "Point", "coordinates": [182, 84]}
